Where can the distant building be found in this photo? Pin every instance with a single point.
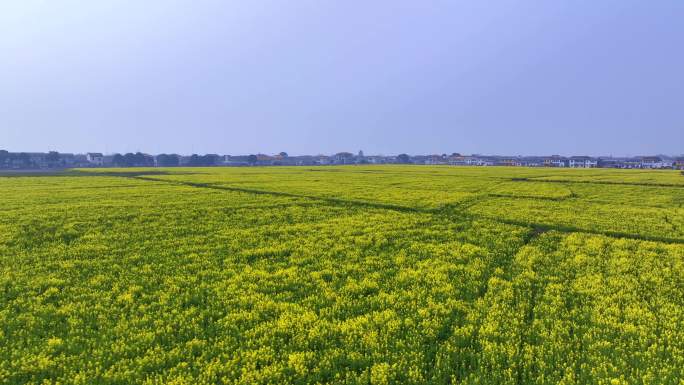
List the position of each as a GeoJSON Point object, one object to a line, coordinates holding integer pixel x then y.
{"type": "Point", "coordinates": [508, 162]}
{"type": "Point", "coordinates": [582, 162]}
{"type": "Point", "coordinates": [654, 162]}
{"type": "Point", "coordinates": [375, 159]}
{"type": "Point", "coordinates": [608, 162]}
{"type": "Point", "coordinates": [678, 163]}
{"type": "Point", "coordinates": [302, 160]}
{"type": "Point", "coordinates": [343, 158]}
{"type": "Point", "coordinates": [533, 161]}
{"type": "Point", "coordinates": [228, 160]}
{"type": "Point", "coordinates": [455, 159]}
{"type": "Point", "coordinates": [478, 160]}
{"type": "Point", "coordinates": [323, 160]}
{"type": "Point", "coordinates": [631, 163]}
{"type": "Point", "coordinates": [555, 161]}
{"type": "Point", "coordinates": [436, 159]}
{"type": "Point", "coordinates": [95, 158]}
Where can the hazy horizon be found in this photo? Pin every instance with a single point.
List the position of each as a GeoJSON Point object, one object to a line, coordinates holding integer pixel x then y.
{"type": "Point", "coordinates": [310, 77]}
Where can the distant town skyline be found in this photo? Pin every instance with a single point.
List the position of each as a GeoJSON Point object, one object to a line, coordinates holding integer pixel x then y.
{"type": "Point", "coordinates": [309, 77]}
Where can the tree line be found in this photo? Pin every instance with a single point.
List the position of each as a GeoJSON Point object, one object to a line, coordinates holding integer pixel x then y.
{"type": "Point", "coordinates": [54, 159]}
{"type": "Point", "coordinates": [24, 160]}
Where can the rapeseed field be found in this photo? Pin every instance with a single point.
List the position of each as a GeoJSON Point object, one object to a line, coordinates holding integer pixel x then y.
{"type": "Point", "coordinates": [342, 275]}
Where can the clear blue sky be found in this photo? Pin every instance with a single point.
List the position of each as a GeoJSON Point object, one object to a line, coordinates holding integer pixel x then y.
{"type": "Point", "coordinates": [314, 76]}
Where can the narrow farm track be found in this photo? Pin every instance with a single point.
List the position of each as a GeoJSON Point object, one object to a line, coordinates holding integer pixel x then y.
{"type": "Point", "coordinates": [344, 202]}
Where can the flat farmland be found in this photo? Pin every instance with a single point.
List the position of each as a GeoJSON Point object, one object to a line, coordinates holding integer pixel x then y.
{"type": "Point", "coordinates": [342, 275]}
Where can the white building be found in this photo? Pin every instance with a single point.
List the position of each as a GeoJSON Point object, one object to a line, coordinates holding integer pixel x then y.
{"type": "Point", "coordinates": [655, 162]}
{"type": "Point", "coordinates": [582, 162]}
{"type": "Point", "coordinates": [95, 158]}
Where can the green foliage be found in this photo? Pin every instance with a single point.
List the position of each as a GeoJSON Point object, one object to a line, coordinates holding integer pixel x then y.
{"type": "Point", "coordinates": [342, 275]}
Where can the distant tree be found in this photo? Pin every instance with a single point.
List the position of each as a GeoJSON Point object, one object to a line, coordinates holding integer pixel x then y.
{"type": "Point", "coordinates": [403, 158]}
{"type": "Point", "coordinates": [194, 160]}
{"type": "Point", "coordinates": [129, 159]}
{"type": "Point", "coordinates": [133, 160]}
{"type": "Point", "coordinates": [164, 160]}
{"type": "Point", "coordinates": [283, 154]}
{"type": "Point", "coordinates": [118, 160]}
{"type": "Point", "coordinates": [52, 157]}
{"type": "Point", "coordinates": [24, 160]}
{"type": "Point", "coordinates": [4, 158]}
{"type": "Point", "coordinates": [252, 159]}
{"type": "Point", "coordinates": [142, 160]}
{"type": "Point", "coordinates": [344, 155]}
{"type": "Point", "coordinates": [139, 159]}
{"type": "Point", "coordinates": [210, 160]}
{"type": "Point", "coordinates": [161, 160]}
{"type": "Point", "coordinates": [203, 160]}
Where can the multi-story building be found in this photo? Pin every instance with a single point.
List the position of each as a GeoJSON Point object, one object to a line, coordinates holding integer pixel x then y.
{"type": "Point", "coordinates": [555, 161]}
{"type": "Point", "coordinates": [655, 162]}
{"type": "Point", "coordinates": [95, 158]}
{"type": "Point", "coordinates": [582, 162]}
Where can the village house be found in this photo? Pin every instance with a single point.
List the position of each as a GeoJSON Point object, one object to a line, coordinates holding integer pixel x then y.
{"type": "Point", "coordinates": [301, 160]}
{"type": "Point", "coordinates": [582, 162]}
{"type": "Point", "coordinates": [508, 162]}
{"type": "Point", "coordinates": [265, 159]}
{"type": "Point", "coordinates": [323, 160]}
{"type": "Point", "coordinates": [477, 160]}
{"type": "Point", "coordinates": [609, 162]}
{"type": "Point", "coordinates": [654, 162]}
{"type": "Point", "coordinates": [456, 159]}
{"type": "Point", "coordinates": [436, 159]}
{"type": "Point", "coordinates": [621, 162]}
{"type": "Point", "coordinates": [503, 161]}
{"type": "Point", "coordinates": [95, 159]}
{"type": "Point", "coordinates": [343, 158]}
{"type": "Point", "coordinates": [230, 160]}
{"type": "Point", "coordinates": [533, 161]}
{"type": "Point", "coordinates": [375, 159]}
{"type": "Point", "coordinates": [631, 163]}
{"type": "Point", "coordinates": [555, 161]}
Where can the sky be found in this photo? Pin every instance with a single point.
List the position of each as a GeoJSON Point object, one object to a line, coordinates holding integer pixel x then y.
{"type": "Point", "coordinates": [580, 77]}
